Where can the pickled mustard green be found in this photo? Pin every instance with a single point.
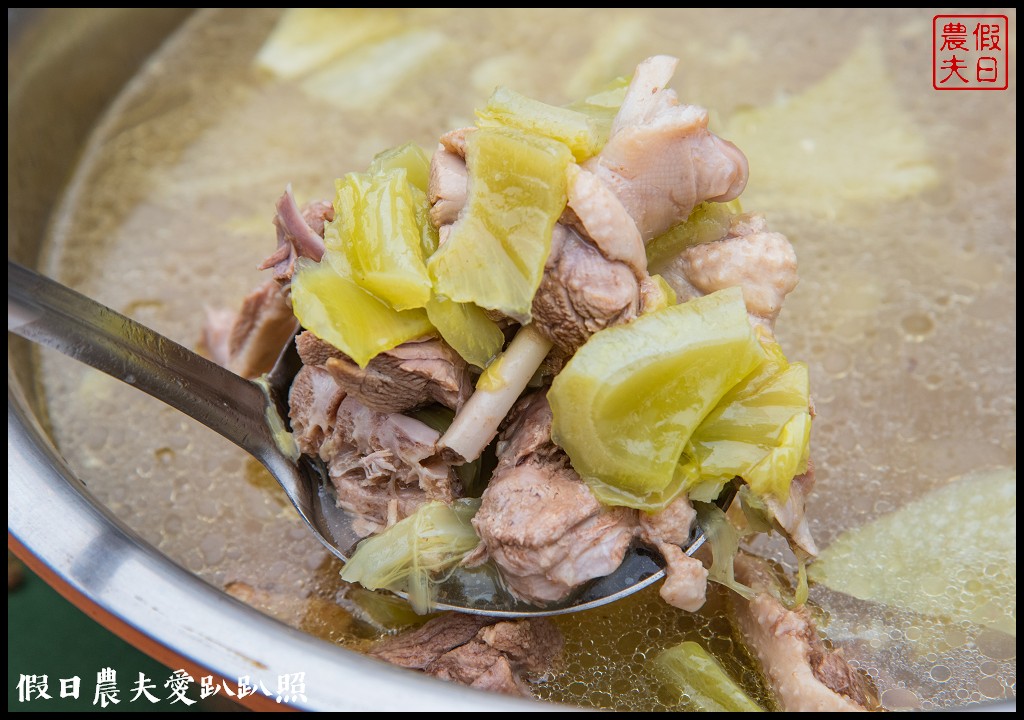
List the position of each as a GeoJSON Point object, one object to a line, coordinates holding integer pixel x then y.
{"type": "Point", "coordinates": [760, 430]}
{"type": "Point", "coordinates": [495, 254]}
{"type": "Point", "coordinates": [409, 157]}
{"type": "Point", "coordinates": [507, 108]}
{"type": "Point", "coordinates": [331, 305]}
{"type": "Point", "coordinates": [378, 230]}
{"type": "Point", "coordinates": [627, 403]}
{"type": "Point", "coordinates": [701, 680]}
{"type": "Point", "coordinates": [708, 222]}
{"type": "Point", "coordinates": [464, 326]}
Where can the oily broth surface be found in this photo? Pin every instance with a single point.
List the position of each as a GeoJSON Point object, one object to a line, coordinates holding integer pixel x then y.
{"type": "Point", "coordinates": [906, 311]}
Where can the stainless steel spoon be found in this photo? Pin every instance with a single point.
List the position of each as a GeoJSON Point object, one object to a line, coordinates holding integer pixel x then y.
{"type": "Point", "coordinates": [251, 415]}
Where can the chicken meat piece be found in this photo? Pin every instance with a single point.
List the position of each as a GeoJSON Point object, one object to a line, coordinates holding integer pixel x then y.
{"type": "Point", "coordinates": [803, 673]}
{"type": "Point", "coordinates": [412, 375]}
{"type": "Point", "coordinates": [454, 141]}
{"type": "Point", "coordinates": [582, 291]}
{"type": "Point", "coordinates": [248, 342]}
{"type": "Point", "coordinates": [300, 233]}
{"type": "Point", "coordinates": [384, 465]}
{"type": "Point", "coordinates": [595, 211]}
{"type": "Point", "coordinates": [538, 521]}
{"type": "Point", "coordinates": [686, 579]}
{"type": "Point", "coordinates": [660, 159]}
{"type": "Point", "coordinates": [478, 651]}
{"type": "Point", "coordinates": [448, 186]}
{"type": "Point", "coordinates": [761, 262]}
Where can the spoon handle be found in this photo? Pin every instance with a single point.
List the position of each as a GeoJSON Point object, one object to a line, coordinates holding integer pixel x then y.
{"type": "Point", "coordinates": [50, 314]}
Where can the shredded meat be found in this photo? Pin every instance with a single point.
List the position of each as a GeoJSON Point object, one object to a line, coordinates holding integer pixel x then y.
{"type": "Point", "coordinates": [804, 674]}
{"type": "Point", "coordinates": [383, 465]}
{"type": "Point", "coordinates": [761, 262]}
{"type": "Point", "coordinates": [249, 342]}
{"type": "Point", "coordinates": [300, 233]}
{"type": "Point", "coordinates": [539, 522]}
{"type": "Point", "coordinates": [660, 160]}
{"type": "Point", "coordinates": [477, 651]}
{"type": "Point", "coordinates": [313, 408]}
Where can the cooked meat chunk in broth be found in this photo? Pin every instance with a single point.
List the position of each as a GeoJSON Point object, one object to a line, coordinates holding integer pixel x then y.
{"type": "Point", "coordinates": [249, 342]}
{"type": "Point", "coordinates": [582, 292]}
{"type": "Point", "coordinates": [300, 233]}
{"type": "Point", "coordinates": [803, 673]}
{"type": "Point", "coordinates": [541, 524]}
{"type": "Point", "coordinates": [478, 651]}
{"type": "Point", "coordinates": [383, 465]}
{"type": "Point", "coordinates": [761, 262]}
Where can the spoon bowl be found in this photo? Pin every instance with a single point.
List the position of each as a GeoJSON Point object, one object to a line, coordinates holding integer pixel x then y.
{"type": "Point", "coordinates": [252, 414]}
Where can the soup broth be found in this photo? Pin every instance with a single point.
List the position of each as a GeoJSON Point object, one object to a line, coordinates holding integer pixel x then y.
{"type": "Point", "coordinates": [899, 200]}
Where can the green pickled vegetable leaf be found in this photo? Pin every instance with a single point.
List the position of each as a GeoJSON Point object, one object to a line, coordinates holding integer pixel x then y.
{"type": "Point", "coordinates": [507, 108]}
{"type": "Point", "coordinates": [377, 227]}
{"type": "Point", "coordinates": [628, 401]}
{"type": "Point", "coordinates": [495, 254]}
{"type": "Point", "coordinates": [701, 680]}
{"type": "Point", "coordinates": [306, 38]}
{"type": "Point", "coordinates": [409, 157]}
{"type": "Point", "coordinates": [950, 554]}
{"type": "Point", "coordinates": [664, 296]}
{"type": "Point", "coordinates": [760, 430]}
{"type": "Point", "coordinates": [467, 329]}
{"type": "Point", "coordinates": [724, 540]}
{"type": "Point", "coordinates": [708, 222]}
{"type": "Point", "coordinates": [602, 107]}
{"type": "Point", "coordinates": [383, 612]}
{"type": "Point", "coordinates": [412, 555]}
{"type": "Point", "coordinates": [329, 303]}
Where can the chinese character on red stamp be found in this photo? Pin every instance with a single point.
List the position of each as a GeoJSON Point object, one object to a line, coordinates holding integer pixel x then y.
{"type": "Point", "coordinates": [970, 52]}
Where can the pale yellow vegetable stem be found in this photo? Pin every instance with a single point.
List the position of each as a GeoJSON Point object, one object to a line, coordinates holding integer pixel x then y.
{"type": "Point", "coordinates": [498, 389]}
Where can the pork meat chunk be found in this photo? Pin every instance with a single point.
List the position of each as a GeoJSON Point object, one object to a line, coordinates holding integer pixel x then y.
{"type": "Point", "coordinates": [383, 465]}
{"type": "Point", "coordinates": [803, 673]}
{"type": "Point", "coordinates": [539, 522]}
{"type": "Point", "coordinates": [477, 651]}
{"type": "Point", "coordinates": [313, 408]}
{"type": "Point", "coordinates": [660, 160]}
{"type": "Point", "coordinates": [412, 375]}
{"type": "Point", "coordinates": [761, 262]}
{"type": "Point", "coordinates": [582, 291]}
{"type": "Point", "coordinates": [686, 579]}
{"type": "Point", "coordinates": [249, 341]}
